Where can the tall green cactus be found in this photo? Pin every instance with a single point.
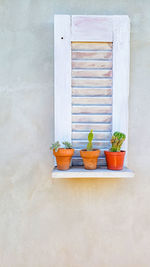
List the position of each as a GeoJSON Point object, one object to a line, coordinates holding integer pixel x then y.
{"type": "Point", "coordinates": [90, 138]}
{"type": "Point", "coordinates": [117, 141]}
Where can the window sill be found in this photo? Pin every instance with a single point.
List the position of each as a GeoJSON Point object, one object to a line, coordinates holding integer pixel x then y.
{"type": "Point", "coordinates": [80, 172]}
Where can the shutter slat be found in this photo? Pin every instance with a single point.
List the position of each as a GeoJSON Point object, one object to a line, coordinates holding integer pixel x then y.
{"type": "Point", "coordinates": [91, 82]}
{"type": "Point", "coordinates": [92, 100]}
{"type": "Point", "coordinates": [92, 73]}
{"type": "Point", "coordinates": [91, 118]}
{"type": "Point", "coordinates": [78, 64]}
{"type": "Point", "coordinates": [97, 136]}
{"type": "Point", "coordinates": [96, 144]}
{"type": "Point", "coordinates": [91, 46]}
{"type": "Point", "coordinates": [89, 110]}
{"type": "Point", "coordinates": [91, 92]}
{"type": "Point", "coordinates": [91, 55]}
{"type": "Point", "coordinates": [88, 126]}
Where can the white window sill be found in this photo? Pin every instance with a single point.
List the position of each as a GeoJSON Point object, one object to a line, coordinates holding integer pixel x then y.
{"type": "Point", "coordinates": [80, 172]}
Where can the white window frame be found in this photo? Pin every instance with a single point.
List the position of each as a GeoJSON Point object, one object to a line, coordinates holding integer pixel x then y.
{"type": "Point", "coordinates": [114, 29]}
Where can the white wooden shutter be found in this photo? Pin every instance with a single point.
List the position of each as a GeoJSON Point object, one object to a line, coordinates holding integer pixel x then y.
{"type": "Point", "coordinates": [91, 80]}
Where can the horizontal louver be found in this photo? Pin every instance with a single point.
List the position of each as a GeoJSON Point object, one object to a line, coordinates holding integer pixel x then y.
{"type": "Point", "coordinates": [91, 96]}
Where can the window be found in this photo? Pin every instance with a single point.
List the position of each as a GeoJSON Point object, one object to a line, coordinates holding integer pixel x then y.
{"type": "Point", "coordinates": [91, 79]}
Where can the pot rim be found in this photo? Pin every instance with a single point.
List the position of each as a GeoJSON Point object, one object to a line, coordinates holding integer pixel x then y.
{"type": "Point", "coordinates": [90, 154]}
{"type": "Point", "coordinates": [93, 150]}
{"type": "Point", "coordinates": [63, 148]}
{"type": "Point", "coordinates": [63, 152]}
{"type": "Point", "coordinates": [114, 153]}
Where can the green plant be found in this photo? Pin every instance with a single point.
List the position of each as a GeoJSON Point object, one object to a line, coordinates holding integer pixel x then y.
{"type": "Point", "coordinates": [67, 144]}
{"type": "Point", "coordinates": [90, 138]}
{"type": "Point", "coordinates": [117, 141]}
{"type": "Point", "coordinates": [55, 146]}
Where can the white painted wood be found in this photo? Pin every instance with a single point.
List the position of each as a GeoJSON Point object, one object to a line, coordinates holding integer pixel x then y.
{"type": "Point", "coordinates": [79, 64]}
{"type": "Point", "coordinates": [80, 172]}
{"type": "Point", "coordinates": [92, 73]}
{"type": "Point", "coordinates": [92, 28]}
{"type": "Point", "coordinates": [88, 110]}
{"type": "Point", "coordinates": [88, 126]}
{"type": "Point", "coordinates": [96, 144]}
{"type": "Point", "coordinates": [91, 82]}
{"type": "Point", "coordinates": [92, 100]}
{"type": "Point", "coordinates": [91, 55]}
{"type": "Point", "coordinates": [95, 52]}
{"type": "Point", "coordinates": [91, 46]}
{"type": "Point", "coordinates": [88, 61]}
{"type": "Point", "coordinates": [97, 136]}
{"type": "Point", "coordinates": [91, 118]}
{"type": "Point", "coordinates": [62, 80]}
{"type": "Point", "coordinates": [91, 92]}
{"type": "Point", "coordinates": [121, 64]}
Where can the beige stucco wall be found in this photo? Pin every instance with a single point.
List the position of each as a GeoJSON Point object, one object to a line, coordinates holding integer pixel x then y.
{"type": "Point", "coordinates": [77, 223]}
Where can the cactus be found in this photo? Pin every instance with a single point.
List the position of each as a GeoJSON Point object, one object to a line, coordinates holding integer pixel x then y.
{"type": "Point", "coordinates": [55, 146]}
{"type": "Point", "coordinates": [90, 138]}
{"type": "Point", "coordinates": [117, 141]}
{"type": "Point", "coordinates": [67, 145]}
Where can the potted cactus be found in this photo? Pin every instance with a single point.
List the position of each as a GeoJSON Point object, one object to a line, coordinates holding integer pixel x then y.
{"type": "Point", "coordinates": [115, 156]}
{"type": "Point", "coordinates": [90, 155]}
{"type": "Point", "coordinates": [63, 155]}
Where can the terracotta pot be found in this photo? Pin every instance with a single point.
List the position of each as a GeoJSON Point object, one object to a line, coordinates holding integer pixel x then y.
{"type": "Point", "coordinates": [90, 158]}
{"type": "Point", "coordinates": [63, 158]}
{"type": "Point", "coordinates": [115, 160]}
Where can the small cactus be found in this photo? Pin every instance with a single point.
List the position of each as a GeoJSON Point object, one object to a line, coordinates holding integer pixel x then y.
{"type": "Point", "coordinates": [117, 141]}
{"type": "Point", "coordinates": [55, 146]}
{"type": "Point", "coordinates": [90, 138]}
{"type": "Point", "coordinates": [67, 145]}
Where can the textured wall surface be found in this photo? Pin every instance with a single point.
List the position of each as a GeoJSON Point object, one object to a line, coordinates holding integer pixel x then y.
{"type": "Point", "coordinates": [45, 223]}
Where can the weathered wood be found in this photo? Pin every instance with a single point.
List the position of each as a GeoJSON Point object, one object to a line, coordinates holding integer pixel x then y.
{"type": "Point", "coordinates": [62, 80]}
{"type": "Point", "coordinates": [91, 118]}
{"type": "Point", "coordinates": [96, 144]}
{"type": "Point", "coordinates": [97, 136]}
{"type": "Point", "coordinates": [91, 82]}
{"type": "Point", "coordinates": [89, 126]}
{"type": "Point", "coordinates": [121, 66]}
{"type": "Point", "coordinates": [92, 28]}
{"type": "Point", "coordinates": [91, 55]}
{"type": "Point", "coordinates": [92, 73]}
{"type": "Point", "coordinates": [91, 46]}
{"type": "Point", "coordinates": [86, 58]}
{"type": "Point", "coordinates": [91, 110]}
{"type": "Point", "coordinates": [91, 92]}
{"type": "Point", "coordinates": [91, 64]}
{"type": "Point", "coordinates": [92, 100]}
